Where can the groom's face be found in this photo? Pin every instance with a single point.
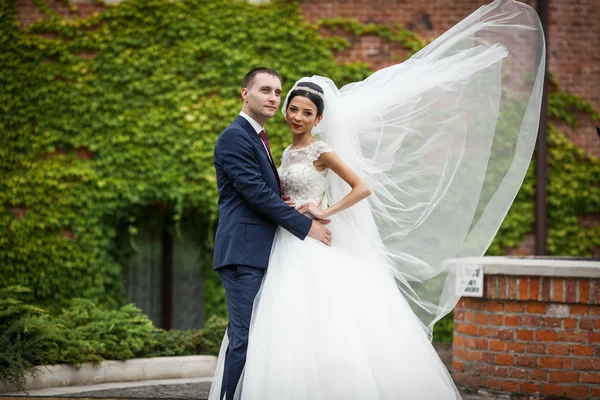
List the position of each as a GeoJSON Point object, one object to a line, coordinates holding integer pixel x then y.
{"type": "Point", "coordinates": [262, 97]}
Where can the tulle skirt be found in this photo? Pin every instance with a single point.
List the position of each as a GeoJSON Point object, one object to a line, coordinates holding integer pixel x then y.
{"type": "Point", "coordinates": [327, 325]}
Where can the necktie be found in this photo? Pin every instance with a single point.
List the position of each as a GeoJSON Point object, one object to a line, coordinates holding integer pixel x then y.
{"type": "Point", "coordinates": [265, 140]}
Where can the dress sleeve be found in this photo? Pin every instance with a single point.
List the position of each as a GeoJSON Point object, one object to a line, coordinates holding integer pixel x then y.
{"type": "Point", "coordinates": [317, 149]}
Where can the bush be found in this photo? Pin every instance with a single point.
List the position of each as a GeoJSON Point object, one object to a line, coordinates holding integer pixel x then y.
{"type": "Point", "coordinates": [86, 333]}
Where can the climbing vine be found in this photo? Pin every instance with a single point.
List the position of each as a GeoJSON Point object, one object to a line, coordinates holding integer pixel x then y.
{"type": "Point", "coordinates": [107, 117]}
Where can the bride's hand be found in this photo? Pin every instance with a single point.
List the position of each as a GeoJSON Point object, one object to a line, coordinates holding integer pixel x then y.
{"type": "Point", "coordinates": [315, 211]}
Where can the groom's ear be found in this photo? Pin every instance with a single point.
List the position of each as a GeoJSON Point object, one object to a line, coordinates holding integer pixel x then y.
{"type": "Point", "coordinates": [244, 93]}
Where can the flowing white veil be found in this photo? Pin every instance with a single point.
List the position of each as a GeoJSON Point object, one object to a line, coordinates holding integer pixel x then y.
{"type": "Point", "coordinates": [444, 140]}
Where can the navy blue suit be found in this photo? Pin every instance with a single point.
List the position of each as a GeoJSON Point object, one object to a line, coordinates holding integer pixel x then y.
{"type": "Point", "coordinates": [250, 208]}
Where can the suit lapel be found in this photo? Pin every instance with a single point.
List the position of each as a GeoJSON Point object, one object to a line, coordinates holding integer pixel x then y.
{"type": "Point", "coordinates": [254, 136]}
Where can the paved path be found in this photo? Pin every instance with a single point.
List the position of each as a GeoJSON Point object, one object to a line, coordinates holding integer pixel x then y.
{"type": "Point", "coordinates": [174, 389]}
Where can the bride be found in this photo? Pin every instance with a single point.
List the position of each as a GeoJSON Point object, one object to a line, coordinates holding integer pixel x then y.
{"type": "Point", "coordinates": [416, 167]}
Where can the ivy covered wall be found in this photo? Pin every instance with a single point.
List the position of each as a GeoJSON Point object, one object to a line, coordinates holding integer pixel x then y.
{"type": "Point", "coordinates": [109, 121]}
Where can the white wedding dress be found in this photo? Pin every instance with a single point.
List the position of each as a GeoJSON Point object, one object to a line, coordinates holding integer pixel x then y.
{"type": "Point", "coordinates": [330, 326]}
{"type": "Point", "coordinates": [444, 141]}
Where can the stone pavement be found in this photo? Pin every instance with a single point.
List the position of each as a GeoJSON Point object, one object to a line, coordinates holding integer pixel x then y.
{"type": "Point", "coordinates": [176, 389]}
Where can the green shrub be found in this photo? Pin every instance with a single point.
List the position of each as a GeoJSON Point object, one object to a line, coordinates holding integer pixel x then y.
{"type": "Point", "coordinates": [86, 333]}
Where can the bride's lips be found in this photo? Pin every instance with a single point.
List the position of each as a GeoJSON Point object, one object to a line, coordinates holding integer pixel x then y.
{"type": "Point", "coordinates": [297, 126]}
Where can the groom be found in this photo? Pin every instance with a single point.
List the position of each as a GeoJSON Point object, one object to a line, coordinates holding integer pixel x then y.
{"type": "Point", "coordinates": [251, 208]}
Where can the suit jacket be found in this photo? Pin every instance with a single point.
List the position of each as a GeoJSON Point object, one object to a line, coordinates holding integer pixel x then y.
{"type": "Point", "coordinates": [250, 203]}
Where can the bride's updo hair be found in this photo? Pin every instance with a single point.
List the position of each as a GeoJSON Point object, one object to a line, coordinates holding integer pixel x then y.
{"type": "Point", "coordinates": [310, 90]}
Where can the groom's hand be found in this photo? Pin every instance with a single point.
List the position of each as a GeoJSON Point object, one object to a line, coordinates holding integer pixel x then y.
{"type": "Point", "coordinates": [287, 200]}
{"type": "Point", "coordinates": [320, 233]}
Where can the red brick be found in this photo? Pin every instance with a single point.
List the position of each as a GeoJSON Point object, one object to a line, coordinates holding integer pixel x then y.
{"type": "Point", "coordinates": [515, 307]}
{"type": "Point", "coordinates": [524, 288]}
{"type": "Point", "coordinates": [529, 320]}
{"type": "Point", "coordinates": [587, 324]}
{"type": "Point", "coordinates": [475, 356]}
{"type": "Point", "coordinates": [457, 340]}
{"type": "Point", "coordinates": [518, 373]}
{"type": "Point", "coordinates": [512, 320]}
{"type": "Point", "coordinates": [552, 390]}
{"type": "Point", "coordinates": [545, 293]}
{"type": "Point", "coordinates": [566, 377]}
{"type": "Point", "coordinates": [570, 323]}
{"type": "Point", "coordinates": [587, 364]}
{"type": "Point", "coordinates": [590, 377]}
{"type": "Point", "coordinates": [515, 347]}
{"type": "Point", "coordinates": [512, 287]}
{"type": "Point", "coordinates": [494, 306]}
{"type": "Point", "coordinates": [580, 310]}
{"type": "Point", "coordinates": [505, 359]}
{"type": "Point", "coordinates": [497, 345]}
{"type": "Point", "coordinates": [559, 349]}
{"type": "Point", "coordinates": [539, 375]}
{"type": "Point", "coordinates": [595, 311]}
{"type": "Point", "coordinates": [584, 291]}
{"type": "Point", "coordinates": [458, 365]}
{"type": "Point", "coordinates": [558, 290]}
{"type": "Point", "coordinates": [490, 332]}
{"type": "Point", "coordinates": [500, 372]}
{"type": "Point", "coordinates": [580, 350]}
{"type": "Point", "coordinates": [596, 392]}
{"type": "Point", "coordinates": [471, 329]}
{"type": "Point", "coordinates": [524, 334]}
{"type": "Point", "coordinates": [507, 334]}
{"type": "Point", "coordinates": [492, 383]}
{"type": "Point", "coordinates": [528, 387]}
{"type": "Point", "coordinates": [577, 392]}
{"type": "Point", "coordinates": [534, 288]}
{"type": "Point", "coordinates": [555, 362]}
{"type": "Point", "coordinates": [536, 308]}
{"type": "Point", "coordinates": [527, 361]}
{"type": "Point", "coordinates": [594, 337]}
{"type": "Point", "coordinates": [488, 358]}
{"type": "Point", "coordinates": [469, 343]}
{"type": "Point", "coordinates": [551, 322]}
{"type": "Point", "coordinates": [482, 319]}
{"type": "Point", "coordinates": [469, 316]}
{"type": "Point", "coordinates": [497, 320]}
{"type": "Point", "coordinates": [493, 285]}
{"type": "Point", "coordinates": [535, 348]}
{"type": "Point", "coordinates": [545, 336]}
{"type": "Point", "coordinates": [482, 344]}
{"type": "Point", "coordinates": [571, 337]}
{"type": "Point", "coordinates": [510, 386]}
{"type": "Point", "coordinates": [502, 288]}
{"type": "Point", "coordinates": [571, 292]}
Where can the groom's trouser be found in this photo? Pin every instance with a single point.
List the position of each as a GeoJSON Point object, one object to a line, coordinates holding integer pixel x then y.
{"type": "Point", "coordinates": [241, 285]}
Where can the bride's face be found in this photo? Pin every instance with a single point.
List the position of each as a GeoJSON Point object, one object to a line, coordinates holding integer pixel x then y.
{"type": "Point", "coordinates": [301, 115]}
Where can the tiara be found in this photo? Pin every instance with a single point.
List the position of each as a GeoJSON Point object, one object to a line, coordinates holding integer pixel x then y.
{"type": "Point", "coordinates": [309, 90]}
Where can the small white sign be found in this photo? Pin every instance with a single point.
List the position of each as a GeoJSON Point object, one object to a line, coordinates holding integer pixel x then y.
{"type": "Point", "coordinates": [469, 281]}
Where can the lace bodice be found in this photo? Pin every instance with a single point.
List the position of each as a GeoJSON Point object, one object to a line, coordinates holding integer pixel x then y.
{"type": "Point", "coordinates": [299, 178]}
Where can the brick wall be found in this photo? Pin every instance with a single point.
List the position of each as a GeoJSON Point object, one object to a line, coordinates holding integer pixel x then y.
{"type": "Point", "coordinates": [530, 335]}
{"type": "Point", "coordinates": [574, 39]}
{"type": "Point", "coordinates": [29, 13]}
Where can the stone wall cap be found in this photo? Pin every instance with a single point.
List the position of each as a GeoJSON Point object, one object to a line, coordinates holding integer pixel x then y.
{"type": "Point", "coordinates": [572, 267]}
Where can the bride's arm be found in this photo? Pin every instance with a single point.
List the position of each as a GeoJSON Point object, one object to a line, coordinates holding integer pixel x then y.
{"type": "Point", "coordinates": [359, 191]}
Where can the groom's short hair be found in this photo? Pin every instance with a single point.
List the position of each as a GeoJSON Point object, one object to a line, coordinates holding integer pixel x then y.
{"type": "Point", "coordinates": [249, 78]}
